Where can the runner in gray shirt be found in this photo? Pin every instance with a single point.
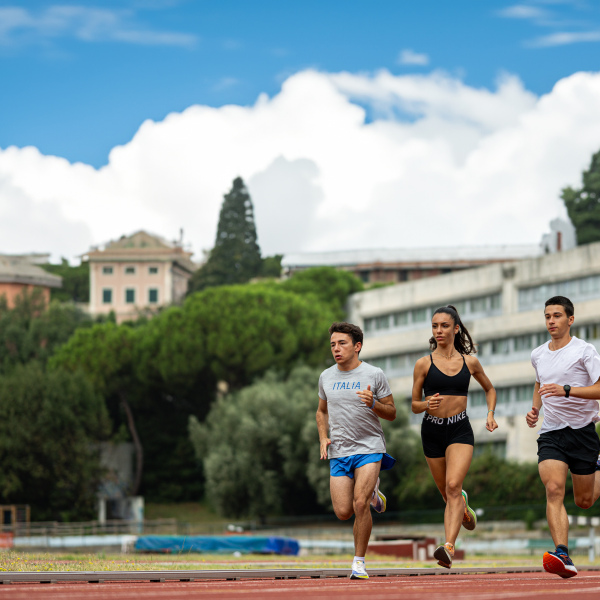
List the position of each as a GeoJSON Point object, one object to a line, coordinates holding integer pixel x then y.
{"type": "Point", "coordinates": [353, 395]}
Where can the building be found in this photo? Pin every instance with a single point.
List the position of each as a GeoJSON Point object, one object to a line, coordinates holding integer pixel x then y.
{"type": "Point", "coordinates": [19, 274]}
{"type": "Point", "coordinates": [502, 306]}
{"type": "Point", "coordinates": [394, 265]}
{"type": "Point", "coordinates": [137, 273]}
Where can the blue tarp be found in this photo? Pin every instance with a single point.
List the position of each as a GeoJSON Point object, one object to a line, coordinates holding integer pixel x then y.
{"type": "Point", "coordinates": [245, 544]}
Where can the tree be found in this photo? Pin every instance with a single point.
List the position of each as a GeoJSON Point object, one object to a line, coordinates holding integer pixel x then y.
{"type": "Point", "coordinates": [104, 354]}
{"type": "Point", "coordinates": [49, 422]}
{"type": "Point", "coordinates": [235, 257]}
{"type": "Point", "coordinates": [329, 285]}
{"type": "Point", "coordinates": [583, 205]}
{"type": "Point", "coordinates": [31, 330]}
{"type": "Point", "coordinates": [75, 281]}
{"type": "Point", "coordinates": [246, 330]}
{"type": "Point", "coordinates": [251, 446]}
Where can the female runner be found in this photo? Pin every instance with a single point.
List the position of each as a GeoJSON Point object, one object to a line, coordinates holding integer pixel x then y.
{"type": "Point", "coordinates": [446, 433]}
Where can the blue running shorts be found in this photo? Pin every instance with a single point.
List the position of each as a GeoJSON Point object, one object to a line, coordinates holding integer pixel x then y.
{"type": "Point", "coordinates": [346, 465]}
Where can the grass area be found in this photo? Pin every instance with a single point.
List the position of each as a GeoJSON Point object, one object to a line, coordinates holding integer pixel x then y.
{"type": "Point", "coordinates": [23, 561]}
{"type": "Point", "coordinates": [185, 512]}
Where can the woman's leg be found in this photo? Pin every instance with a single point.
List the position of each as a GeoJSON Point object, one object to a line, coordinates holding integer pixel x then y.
{"type": "Point", "coordinates": [437, 466]}
{"type": "Point", "coordinates": [458, 461]}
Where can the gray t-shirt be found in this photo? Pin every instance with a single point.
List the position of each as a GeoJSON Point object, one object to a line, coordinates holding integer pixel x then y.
{"type": "Point", "coordinates": [353, 427]}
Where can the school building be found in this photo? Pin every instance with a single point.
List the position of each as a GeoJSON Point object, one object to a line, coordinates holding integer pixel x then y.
{"type": "Point", "coordinates": [502, 306]}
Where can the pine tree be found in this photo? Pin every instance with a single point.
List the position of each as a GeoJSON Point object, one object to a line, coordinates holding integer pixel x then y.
{"type": "Point", "coordinates": [235, 257]}
{"type": "Point", "coordinates": [583, 205]}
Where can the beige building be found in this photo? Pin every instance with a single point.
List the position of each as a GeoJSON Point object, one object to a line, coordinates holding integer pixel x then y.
{"type": "Point", "coordinates": [502, 306]}
{"type": "Point", "coordinates": [19, 274]}
{"type": "Point", "coordinates": [137, 273]}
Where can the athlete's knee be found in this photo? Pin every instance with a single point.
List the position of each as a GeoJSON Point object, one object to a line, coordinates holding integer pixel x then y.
{"type": "Point", "coordinates": [361, 505]}
{"type": "Point", "coordinates": [343, 513]}
{"type": "Point", "coordinates": [453, 489]}
{"type": "Point", "coordinates": [584, 501]}
{"type": "Point", "coordinates": [555, 490]}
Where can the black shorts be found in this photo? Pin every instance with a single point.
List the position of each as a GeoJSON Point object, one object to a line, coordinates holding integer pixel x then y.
{"type": "Point", "coordinates": [437, 433]}
{"type": "Point", "coordinates": [579, 448]}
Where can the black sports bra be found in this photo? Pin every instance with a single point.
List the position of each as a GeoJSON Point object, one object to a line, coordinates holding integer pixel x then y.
{"type": "Point", "coordinates": [437, 382]}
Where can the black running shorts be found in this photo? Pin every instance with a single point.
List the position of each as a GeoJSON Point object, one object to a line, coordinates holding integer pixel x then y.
{"type": "Point", "coordinates": [579, 448]}
{"type": "Point", "coordinates": [437, 434]}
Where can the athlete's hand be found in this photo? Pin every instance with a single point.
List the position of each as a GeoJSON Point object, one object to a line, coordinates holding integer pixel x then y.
{"type": "Point", "coordinates": [366, 396]}
{"type": "Point", "coordinates": [435, 401]}
{"type": "Point", "coordinates": [552, 389]}
{"type": "Point", "coordinates": [324, 445]}
{"type": "Point", "coordinates": [532, 417]}
{"type": "Point", "coordinates": [491, 424]}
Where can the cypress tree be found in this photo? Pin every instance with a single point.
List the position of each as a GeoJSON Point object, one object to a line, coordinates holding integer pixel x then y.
{"type": "Point", "coordinates": [235, 257]}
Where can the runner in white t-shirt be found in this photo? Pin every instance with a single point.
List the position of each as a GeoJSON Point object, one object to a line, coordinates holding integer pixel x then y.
{"type": "Point", "coordinates": [567, 385]}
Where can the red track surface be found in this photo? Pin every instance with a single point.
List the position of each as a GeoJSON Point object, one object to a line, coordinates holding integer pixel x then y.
{"type": "Point", "coordinates": [532, 586]}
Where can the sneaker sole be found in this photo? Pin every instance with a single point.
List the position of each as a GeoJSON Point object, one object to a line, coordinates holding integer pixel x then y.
{"type": "Point", "coordinates": [553, 564]}
{"type": "Point", "coordinates": [353, 576]}
{"type": "Point", "coordinates": [441, 555]}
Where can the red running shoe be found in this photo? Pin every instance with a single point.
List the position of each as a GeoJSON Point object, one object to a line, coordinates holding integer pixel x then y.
{"type": "Point", "coordinates": [559, 564]}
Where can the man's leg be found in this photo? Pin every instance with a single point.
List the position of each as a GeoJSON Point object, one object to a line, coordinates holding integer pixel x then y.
{"type": "Point", "coordinates": [586, 489]}
{"type": "Point", "coordinates": [553, 474]}
{"type": "Point", "coordinates": [365, 478]}
{"type": "Point", "coordinates": [342, 496]}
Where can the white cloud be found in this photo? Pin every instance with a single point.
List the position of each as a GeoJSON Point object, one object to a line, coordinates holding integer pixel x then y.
{"type": "Point", "coordinates": [565, 38]}
{"type": "Point", "coordinates": [523, 11]}
{"type": "Point", "coordinates": [410, 57]}
{"type": "Point", "coordinates": [460, 166]}
{"type": "Point", "coordinates": [89, 24]}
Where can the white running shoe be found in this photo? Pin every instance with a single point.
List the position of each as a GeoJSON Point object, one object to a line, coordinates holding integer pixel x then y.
{"type": "Point", "coordinates": [358, 570]}
{"type": "Point", "coordinates": [378, 501]}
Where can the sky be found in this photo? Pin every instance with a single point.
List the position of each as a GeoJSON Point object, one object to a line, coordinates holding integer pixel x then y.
{"type": "Point", "coordinates": [354, 124]}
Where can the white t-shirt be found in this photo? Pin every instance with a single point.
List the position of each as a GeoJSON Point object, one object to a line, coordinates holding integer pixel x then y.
{"type": "Point", "coordinates": [577, 364]}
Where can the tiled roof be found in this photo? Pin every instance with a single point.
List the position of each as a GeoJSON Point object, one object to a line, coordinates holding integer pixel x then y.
{"type": "Point", "coordinates": [16, 269]}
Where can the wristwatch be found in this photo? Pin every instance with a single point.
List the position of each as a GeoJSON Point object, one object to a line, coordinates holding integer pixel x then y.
{"type": "Point", "coordinates": [567, 389]}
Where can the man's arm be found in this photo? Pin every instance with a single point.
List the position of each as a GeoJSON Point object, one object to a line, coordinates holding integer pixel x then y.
{"type": "Point", "coordinates": [323, 427]}
{"type": "Point", "coordinates": [591, 392]}
{"type": "Point", "coordinates": [534, 414]}
{"type": "Point", "coordinates": [383, 407]}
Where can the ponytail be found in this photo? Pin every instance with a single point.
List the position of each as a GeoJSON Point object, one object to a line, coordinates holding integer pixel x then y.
{"type": "Point", "coordinates": [463, 342]}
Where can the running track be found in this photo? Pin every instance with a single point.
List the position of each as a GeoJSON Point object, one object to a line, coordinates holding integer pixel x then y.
{"type": "Point", "coordinates": [531, 586]}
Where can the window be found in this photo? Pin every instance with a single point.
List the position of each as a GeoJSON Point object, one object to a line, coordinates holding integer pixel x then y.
{"type": "Point", "coordinates": [477, 398]}
{"type": "Point", "coordinates": [129, 270]}
{"type": "Point", "coordinates": [496, 448]}
{"type": "Point", "coordinates": [153, 295]}
{"type": "Point", "coordinates": [382, 322]}
{"type": "Point", "coordinates": [400, 319]}
{"type": "Point", "coordinates": [106, 296]}
{"type": "Point", "coordinates": [500, 346]}
{"type": "Point", "coordinates": [107, 270]}
{"type": "Point", "coordinates": [153, 270]}
{"type": "Point", "coordinates": [419, 315]}
{"type": "Point", "coordinates": [496, 302]}
{"type": "Point", "coordinates": [129, 296]}
{"type": "Point", "coordinates": [479, 304]}
{"type": "Point", "coordinates": [523, 342]}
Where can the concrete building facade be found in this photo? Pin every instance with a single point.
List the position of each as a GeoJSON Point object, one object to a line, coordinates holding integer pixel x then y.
{"type": "Point", "coordinates": [137, 273]}
{"type": "Point", "coordinates": [502, 306]}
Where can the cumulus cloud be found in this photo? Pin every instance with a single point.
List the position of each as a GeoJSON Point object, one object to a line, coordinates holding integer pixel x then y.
{"type": "Point", "coordinates": [410, 57]}
{"type": "Point", "coordinates": [564, 38]}
{"type": "Point", "coordinates": [441, 163]}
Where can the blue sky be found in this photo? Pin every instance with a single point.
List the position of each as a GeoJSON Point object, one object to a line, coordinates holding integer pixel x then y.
{"type": "Point", "coordinates": [79, 78]}
{"type": "Point", "coordinates": [354, 124]}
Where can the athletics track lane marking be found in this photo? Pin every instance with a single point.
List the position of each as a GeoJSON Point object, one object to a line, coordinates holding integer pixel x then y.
{"type": "Point", "coordinates": [474, 587]}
